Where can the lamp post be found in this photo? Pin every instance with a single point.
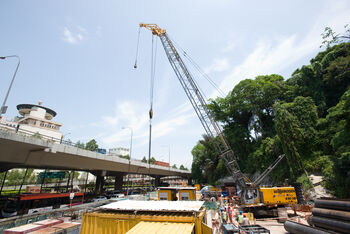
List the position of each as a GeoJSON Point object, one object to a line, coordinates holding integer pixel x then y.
{"type": "Point", "coordinates": [3, 107]}
{"type": "Point", "coordinates": [63, 136]}
{"type": "Point", "coordinates": [131, 133]}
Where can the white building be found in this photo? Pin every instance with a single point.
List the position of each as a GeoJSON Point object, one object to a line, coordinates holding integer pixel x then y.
{"type": "Point", "coordinates": [35, 119]}
{"type": "Point", "coordinates": [120, 151]}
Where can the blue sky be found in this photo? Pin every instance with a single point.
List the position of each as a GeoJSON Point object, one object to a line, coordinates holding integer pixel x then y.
{"type": "Point", "coordinates": [78, 56]}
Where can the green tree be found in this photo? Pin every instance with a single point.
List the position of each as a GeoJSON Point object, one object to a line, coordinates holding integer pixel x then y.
{"type": "Point", "coordinates": [182, 167]}
{"type": "Point", "coordinates": [207, 167]}
{"type": "Point", "coordinates": [336, 129]}
{"type": "Point", "coordinates": [174, 166]}
{"type": "Point", "coordinates": [125, 156]}
{"type": "Point", "coordinates": [295, 125]}
{"type": "Point", "coordinates": [152, 160]}
{"type": "Point", "coordinates": [37, 135]}
{"type": "Point", "coordinates": [91, 145]}
{"type": "Point", "coordinates": [80, 145]}
{"type": "Point", "coordinates": [305, 117]}
{"type": "Point", "coordinates": [144, 160]}
{"type": "Point", "coordinates": [247, 114]}
{"type": "Point", "coordinates": [2, 176]}
{"type": "Point", "coordinates": [15, 177]}
{"type": "Point", "coordinates": [330, 37]}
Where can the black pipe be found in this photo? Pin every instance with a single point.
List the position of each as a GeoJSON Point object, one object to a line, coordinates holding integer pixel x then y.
{"type": "Point", "coordinates": [332, 204]}
{"type": "Point", "coordinates": [331, 224]}
{"type": "Point", "coordinates": [298, 228]}
{"type": "Point", "coordinates": [333, 214]}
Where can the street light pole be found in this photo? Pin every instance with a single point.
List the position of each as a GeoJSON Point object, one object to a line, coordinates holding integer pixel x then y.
{"type": "Point", "coordinates": [63, 136]}
{"type": "Point", "coordinates": [131, 133]}
{"type": "Point", "coordinates": [3, 107]}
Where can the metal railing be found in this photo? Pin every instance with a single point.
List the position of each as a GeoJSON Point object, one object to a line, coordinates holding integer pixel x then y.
{"type": "Point", "coordinates": [36, 134]}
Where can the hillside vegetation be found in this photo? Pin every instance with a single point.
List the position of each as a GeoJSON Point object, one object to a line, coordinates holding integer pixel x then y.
{"type": "Point", "coordinates": [306, 117]}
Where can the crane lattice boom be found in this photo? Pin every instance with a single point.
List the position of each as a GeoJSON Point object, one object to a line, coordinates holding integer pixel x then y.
{"type": "Point", "coordinates": [199, 104]}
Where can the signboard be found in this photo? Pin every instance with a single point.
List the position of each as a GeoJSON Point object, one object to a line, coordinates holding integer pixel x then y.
{"type": "Point", "coordinates": [33, 189]}
{"type": "Point", "coordinates": [52, 175]}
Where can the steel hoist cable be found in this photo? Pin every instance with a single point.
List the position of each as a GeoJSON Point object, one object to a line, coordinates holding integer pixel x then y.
{"type": "Point", "coordinates": [153, 70]}
{"type": "Point", "coordinates": [198, 68]}
{"type": "Point", "coordinates": [137, 48]}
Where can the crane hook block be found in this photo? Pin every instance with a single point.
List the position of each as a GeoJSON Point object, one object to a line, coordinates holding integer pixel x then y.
{"type": "Point", "coordinates": [150, 113]}
{"type": "Point", "coordinates": [135, 66]}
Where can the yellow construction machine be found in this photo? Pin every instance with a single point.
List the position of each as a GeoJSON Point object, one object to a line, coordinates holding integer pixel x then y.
{"type": "Point", "coordinates": [251, 194]}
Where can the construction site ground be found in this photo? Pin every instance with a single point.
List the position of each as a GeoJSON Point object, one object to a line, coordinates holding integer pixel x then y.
{"type": "Point", "coordinates": [277, 227]}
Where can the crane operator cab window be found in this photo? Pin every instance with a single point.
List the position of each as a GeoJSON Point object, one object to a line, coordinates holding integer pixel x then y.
{"type": "Point", "coordinates": [250, 196]}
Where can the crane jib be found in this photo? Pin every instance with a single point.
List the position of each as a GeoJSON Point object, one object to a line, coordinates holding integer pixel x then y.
{"type": "Point", "coordinates": [250, 193]}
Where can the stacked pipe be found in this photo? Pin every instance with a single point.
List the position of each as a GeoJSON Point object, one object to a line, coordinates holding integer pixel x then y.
{"type": "Point", "coordinates": [299, 192]}
{"type": "Point", "coordinates": [332, 215]}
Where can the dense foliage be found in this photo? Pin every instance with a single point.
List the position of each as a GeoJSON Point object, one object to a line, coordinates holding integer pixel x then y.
{"type": "Point", "coordinates": [306, 117]}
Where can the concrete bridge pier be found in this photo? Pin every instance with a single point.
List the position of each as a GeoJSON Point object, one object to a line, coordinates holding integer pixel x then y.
{"type": "Point", "coordinates": [99, 184]}
{"type": "Point", "coordinates": [157, 181]}
{"type": "Point", "coordinates": [118, 181]}
{"type": "Point", "coordinates": [189, 181]}
{"type": "Point", "coordinates": [100, 180]}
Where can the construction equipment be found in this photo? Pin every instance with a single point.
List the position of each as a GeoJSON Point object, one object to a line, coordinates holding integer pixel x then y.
{"type": "Point", "coordinates": [250, 190]}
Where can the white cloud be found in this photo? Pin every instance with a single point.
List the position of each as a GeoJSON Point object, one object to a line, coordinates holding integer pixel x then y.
{"type": "Point", "coordinates": [135, 115]}
{"type": "Point", "coordinates": [167, 126]}
{"type": "Point", "coordinates": [273, 55]}
{"type": "Point", "coordinates": [68, 36]}
{"type": "Point", "coordinates": [72, 37]}
{"type": "Point", "coordinates": [81, 29]}
{"type": "Point", "coordinates": [80, 37]}
{"type": "Point", "coordinates": [269, 56]}
{"type": "Point", "coordinates": [218, 65]}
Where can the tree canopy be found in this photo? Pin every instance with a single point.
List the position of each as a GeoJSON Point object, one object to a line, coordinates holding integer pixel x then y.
{"type": "Point", "coordinates": [306, 117]}
{"type": "Point", "coordinates": [91, 145]}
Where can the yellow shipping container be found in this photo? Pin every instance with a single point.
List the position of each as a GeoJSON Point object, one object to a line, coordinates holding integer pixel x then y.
{"type": "Point", "coordinates": [123, 221]}
{"type": "Point", "coordinates": [161, 227]}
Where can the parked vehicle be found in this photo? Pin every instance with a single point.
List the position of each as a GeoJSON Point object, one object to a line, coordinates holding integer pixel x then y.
{"type": "Point", "coordinates": [29, 203]}
{"type": "Point", "coordinates": [137, 191]}
{"type": "Point", "coordinates": [99, 198]}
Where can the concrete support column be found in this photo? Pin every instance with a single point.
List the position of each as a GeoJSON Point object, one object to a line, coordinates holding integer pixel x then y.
{"type": "Point", "coordinates": [118, 182]}
{"type": "Point", "coordinates": [189, 181]}
{"type": "Point", "coordinates": [156, 181]}
{"type": "Point", "coordinates": [99, 184]}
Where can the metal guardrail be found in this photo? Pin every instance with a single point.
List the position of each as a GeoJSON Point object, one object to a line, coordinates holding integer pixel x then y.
{"type": "Point", "coordinates": [38, 135]}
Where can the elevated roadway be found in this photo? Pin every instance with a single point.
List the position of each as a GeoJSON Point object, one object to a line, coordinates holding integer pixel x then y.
{"type": "Point", "coordinates": [20, 151]}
